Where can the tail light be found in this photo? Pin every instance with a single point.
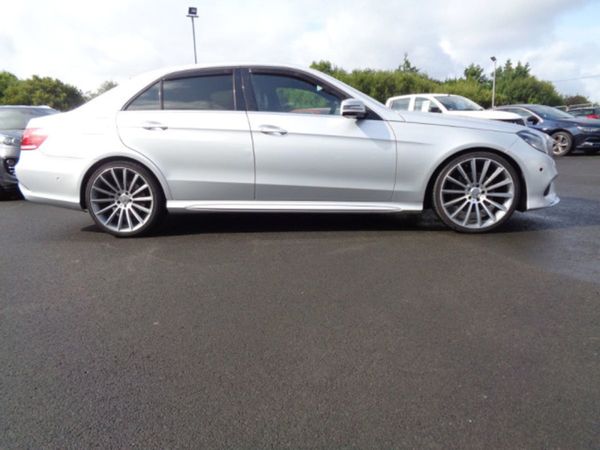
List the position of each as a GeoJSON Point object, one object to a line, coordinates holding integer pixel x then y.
{"type": "Point", "coordinates": [593, 116]}
{"type": "Point", "coordinates": [33, 138]}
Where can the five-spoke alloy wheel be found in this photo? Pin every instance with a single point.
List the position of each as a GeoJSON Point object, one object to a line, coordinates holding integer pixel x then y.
{"type": "Point", "coordinates": [563, 143]}
{"type": "Point", "coordinates": [124, 199]}
{"type": "Point", "coordinates": [476, 192]}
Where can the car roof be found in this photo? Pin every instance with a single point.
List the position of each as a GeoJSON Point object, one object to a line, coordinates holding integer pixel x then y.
{"type": "Point", "coordinates": [520, 105]}
{"type": "Point", "coordinates": [433, 94]}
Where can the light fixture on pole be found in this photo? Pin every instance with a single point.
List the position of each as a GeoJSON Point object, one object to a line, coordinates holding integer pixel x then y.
{"type": "Point", "coordinates": [493, 58]}
{"type": "Point", "coordinates": [193, 14]}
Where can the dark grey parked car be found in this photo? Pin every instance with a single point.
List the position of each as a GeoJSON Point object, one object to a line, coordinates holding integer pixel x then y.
{"type": "Point", "coordinates": [13, 120]}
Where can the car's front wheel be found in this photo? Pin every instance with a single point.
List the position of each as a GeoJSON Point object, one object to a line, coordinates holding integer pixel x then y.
{"type": "Point", "coordinates": [476, 192]}
{"type": "Point", "coordinates": [124, 199]}
{"type": "Point", "coordinates": [563, 143]}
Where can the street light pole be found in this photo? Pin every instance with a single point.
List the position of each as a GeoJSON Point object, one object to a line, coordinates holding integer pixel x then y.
{"type": "Point", "coordinates": [493, 58]}
{"type": "Point", "coordinates": [193, 14]}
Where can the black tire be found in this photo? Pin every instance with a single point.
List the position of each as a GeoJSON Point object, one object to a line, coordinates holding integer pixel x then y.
{"type": "Point", "coordinates": [478, 196]}
{"type": "Point", "coordinates": [563, 143]}
{"type": "Point", "coordinates": [124, 199]}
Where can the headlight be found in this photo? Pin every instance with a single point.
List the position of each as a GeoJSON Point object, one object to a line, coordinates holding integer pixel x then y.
{"type": "Point", "coordinates": [588, 129]}
{"type": "Point", "coordinates": [10, 141]}
{"type": "Point", "coordinates": [536, 141]}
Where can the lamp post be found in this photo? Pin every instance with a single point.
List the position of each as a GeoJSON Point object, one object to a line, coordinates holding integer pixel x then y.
{"type": "Point", "coordinates": [493, 58]}
{"type": "Point", "coordinates": [193, 14]}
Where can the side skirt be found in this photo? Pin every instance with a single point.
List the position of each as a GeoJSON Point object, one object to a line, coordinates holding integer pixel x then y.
{"type": "Point", "coordinates": [279, 206]}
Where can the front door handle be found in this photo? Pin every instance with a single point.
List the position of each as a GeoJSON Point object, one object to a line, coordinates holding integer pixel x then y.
{"type": "Point", "coordinates": [151, 125]}
{"type": "Point", "coordinates": [272, 129]}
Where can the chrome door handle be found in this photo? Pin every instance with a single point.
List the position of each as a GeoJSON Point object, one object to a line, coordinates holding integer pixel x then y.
{"type": "Point", "coordinates": [153, 126]}
{"type": "Point", "coordinates": [272, 129]}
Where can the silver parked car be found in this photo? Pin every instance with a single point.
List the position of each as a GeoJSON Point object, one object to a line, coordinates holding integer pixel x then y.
{"type": "Point", "coordinates": [13, 120]}
{"type": "Point", "coordinates": [276, 138]}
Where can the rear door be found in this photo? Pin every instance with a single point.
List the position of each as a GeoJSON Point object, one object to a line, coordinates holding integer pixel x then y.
{"type": "Point", "coordinates": [193, 126]}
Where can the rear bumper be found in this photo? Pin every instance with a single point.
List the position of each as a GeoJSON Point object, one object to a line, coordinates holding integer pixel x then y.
{"type": "Point", "coordinates": [50, 179]}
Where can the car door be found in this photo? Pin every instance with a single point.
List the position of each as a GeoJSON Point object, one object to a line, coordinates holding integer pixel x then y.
{"type": "Point", "coordinates": [306, 151]}
{"type": "Point", "coordinates": [192, 126]}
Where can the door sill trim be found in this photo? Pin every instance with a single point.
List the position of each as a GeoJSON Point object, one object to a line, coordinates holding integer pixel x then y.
{"type": "Point", "coordinates": [288, 206]}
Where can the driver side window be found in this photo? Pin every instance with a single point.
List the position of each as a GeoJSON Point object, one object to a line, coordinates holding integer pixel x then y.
{"type": "Point", "coordinates": [283, 93]}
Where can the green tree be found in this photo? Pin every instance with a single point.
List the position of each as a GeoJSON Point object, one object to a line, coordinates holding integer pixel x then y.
{"type": "Point", "coordinates": [104, 87]}
{"type": "Point", "coordinates": [470, 88]}
{"type": "Point", "coordinates": [44, 91]}
{"type": "Point", "coordinates": [514, 83]}
{"type": "Point", "coordinates": [407, 66]}
{"type": "Point", "coordinates": [7, 79]}
{"type": "Point", "coordinates": [576, 100]}
{"type": "Point", "coordinates": [476, 73]}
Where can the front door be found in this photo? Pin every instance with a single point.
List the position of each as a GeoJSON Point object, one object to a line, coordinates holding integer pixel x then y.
{"type": "Point", "coordinates": [306, 151]}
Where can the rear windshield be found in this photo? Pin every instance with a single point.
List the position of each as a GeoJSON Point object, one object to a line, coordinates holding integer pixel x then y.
{"type": "Point", "coordinates": [17, 118]}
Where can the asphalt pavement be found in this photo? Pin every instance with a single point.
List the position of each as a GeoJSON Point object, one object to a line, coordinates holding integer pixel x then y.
{"type": "Point", "coordinates": [303, 331]}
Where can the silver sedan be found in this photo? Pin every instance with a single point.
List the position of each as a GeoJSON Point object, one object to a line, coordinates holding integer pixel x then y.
{"type": "Point", "coordinates": [276, 138]}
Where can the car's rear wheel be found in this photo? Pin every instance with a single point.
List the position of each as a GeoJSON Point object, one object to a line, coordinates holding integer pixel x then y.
{"type": "Point", "coordinates": [476, 192]}
{"type": "Point", "coordinates": [124, 199]}
{"type": "Point", "coordinates": [563, 143]}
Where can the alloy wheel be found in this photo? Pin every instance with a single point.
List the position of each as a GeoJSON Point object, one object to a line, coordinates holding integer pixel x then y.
{"type": "Point", "coordinates": [476, 193]}
{"type": "Point", "coordinates": [121, 199]}
{"type": "Point", "coordinates": [561, 144]}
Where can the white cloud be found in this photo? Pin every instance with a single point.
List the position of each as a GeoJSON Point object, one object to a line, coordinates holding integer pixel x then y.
{"type": "Point", "coordinates": [119, 38]}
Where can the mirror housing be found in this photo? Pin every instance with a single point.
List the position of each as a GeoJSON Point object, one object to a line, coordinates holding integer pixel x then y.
{"type": "Point", "coordinates": [532, 120]}
{"type": "Point", "coordinates": [353, 108]}
{"type": "Point", "coordinates": [435, 109]}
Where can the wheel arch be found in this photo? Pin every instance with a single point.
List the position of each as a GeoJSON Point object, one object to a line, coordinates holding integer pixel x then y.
{"type": "Point", "coordinates": [522, 201]}
{"type": "Point", "coordinates": [93, 167]}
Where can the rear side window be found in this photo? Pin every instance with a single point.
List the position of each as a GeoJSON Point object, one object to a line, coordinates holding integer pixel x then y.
{"type": "Point", "coordinates": [208, 92]}
{"type": "Point", "coordinates": [400, 104]}
{"type": "Point", "coordinates": [147, 100]}
{"type": "Point", "coordinates": [205, 92]}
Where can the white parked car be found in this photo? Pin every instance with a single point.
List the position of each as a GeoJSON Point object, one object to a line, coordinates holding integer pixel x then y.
{"type": "Point", "coordinates": [454, 105]}
{"type": "Point", "coordinates": [275, 138]}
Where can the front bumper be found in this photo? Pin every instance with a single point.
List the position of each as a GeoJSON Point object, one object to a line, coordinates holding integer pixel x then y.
{"type": "Point", "coordinates": [588, 142]}
{"type": "Point", "coordinates": [8, 158]}
{"type": "Point", "coordinates": [8, 180]}
{"type": "Point", "coordinates": [539, 174]}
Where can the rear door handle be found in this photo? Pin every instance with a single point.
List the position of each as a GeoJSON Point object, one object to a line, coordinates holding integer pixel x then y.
{"type": "Point", "coordinates": [151, 125]}
{"type": "Point", "coordinates": [272, 129]}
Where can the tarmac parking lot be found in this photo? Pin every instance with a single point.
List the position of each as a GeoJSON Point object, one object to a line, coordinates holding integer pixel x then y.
{"type": "Point", "coordinates": [303, 331]}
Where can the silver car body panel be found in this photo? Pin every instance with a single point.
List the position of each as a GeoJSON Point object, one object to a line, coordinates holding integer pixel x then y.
{"type": "Point", "coordinates": [238, 161]}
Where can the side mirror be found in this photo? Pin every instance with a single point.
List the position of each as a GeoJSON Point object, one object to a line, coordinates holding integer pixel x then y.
{"type": "Point", "coordinates": [532, 120]}
{"type": "Point", "coordinates": [435, 109]}
{"type": "Point", "coordinates": [353, 108]}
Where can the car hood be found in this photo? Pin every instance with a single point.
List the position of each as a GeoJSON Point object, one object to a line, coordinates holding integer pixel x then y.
{"type": "Point", "coordinates": [486, 114]}
{"type": "Point", "coordinates": [593, 123]}
{"type": "Point", "coordinates": [12, 133]}
{"type": "Point", "coordinates": [448, 120]}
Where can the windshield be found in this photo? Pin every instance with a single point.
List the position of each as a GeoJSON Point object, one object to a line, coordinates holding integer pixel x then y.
{"type": "Point", "coordinates": [548, 112]}
{"type": "Point", "coordinates": [457, 103]}
{"type": "Point", "coordinates": [17, 118]}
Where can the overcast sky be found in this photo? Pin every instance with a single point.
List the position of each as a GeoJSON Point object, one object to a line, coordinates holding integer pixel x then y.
{"type": "Point", "coordinates": [86, 43]}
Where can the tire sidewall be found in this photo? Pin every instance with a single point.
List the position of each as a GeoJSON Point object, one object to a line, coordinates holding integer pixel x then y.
{"type": "Point", "coordinates": [157, 206]}
{"type": "Point", "coordinates": [437, 191]}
